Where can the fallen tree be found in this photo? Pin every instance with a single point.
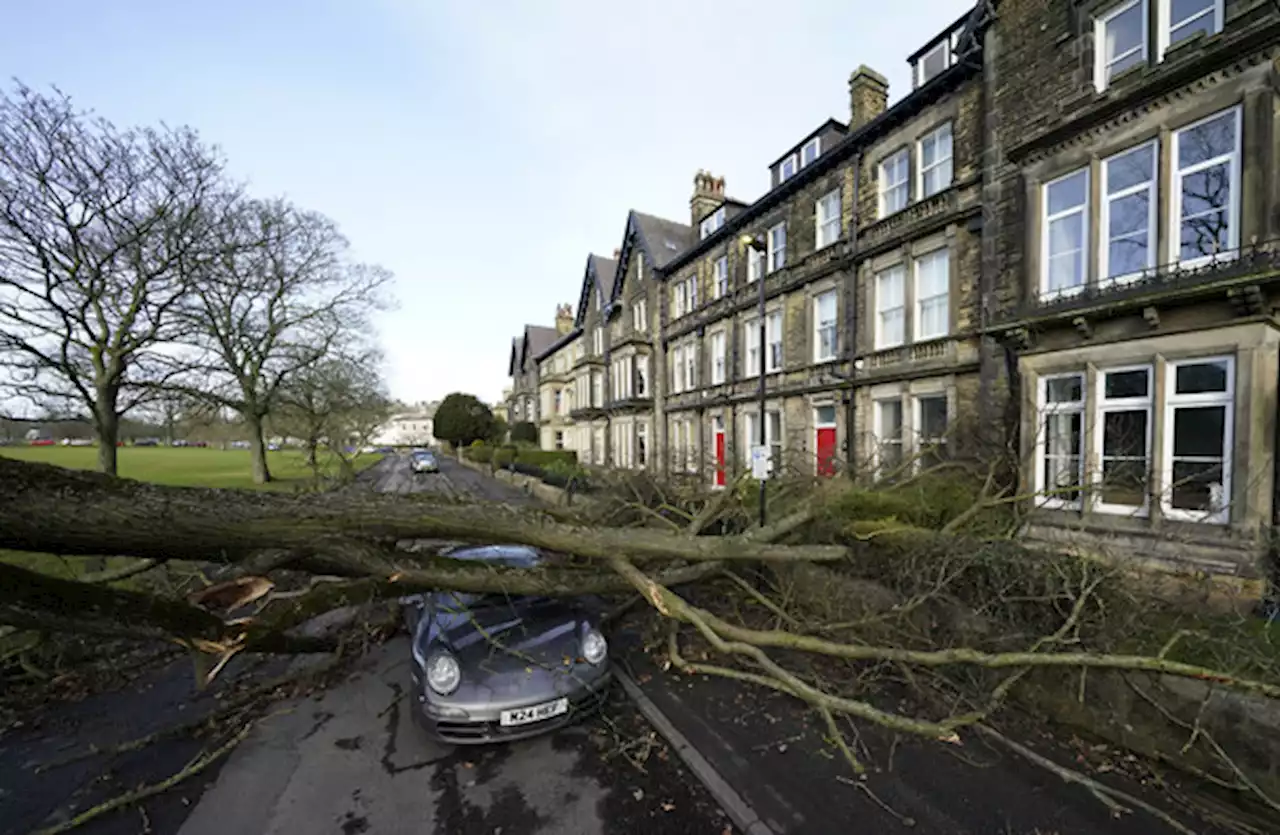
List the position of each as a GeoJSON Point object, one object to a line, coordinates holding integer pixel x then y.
{"type": "Point", "coordinates": [351, 547]}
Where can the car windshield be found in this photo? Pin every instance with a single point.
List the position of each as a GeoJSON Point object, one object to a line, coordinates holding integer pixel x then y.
{"type": "Point", "coordinates": [515, 556]}
{"type": "Point", "coordinates": [423, 456]}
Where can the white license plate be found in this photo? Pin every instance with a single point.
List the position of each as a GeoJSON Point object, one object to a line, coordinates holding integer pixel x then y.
{"type": "Point", "coordinates": [535, 713]}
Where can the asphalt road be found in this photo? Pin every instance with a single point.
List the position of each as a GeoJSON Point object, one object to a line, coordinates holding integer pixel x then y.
{"type": "Point", "coordinates": [352, 761]}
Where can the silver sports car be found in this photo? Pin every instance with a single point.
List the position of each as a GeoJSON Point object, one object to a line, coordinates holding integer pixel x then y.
{"type": "Point", "coordinates": [492, 668]}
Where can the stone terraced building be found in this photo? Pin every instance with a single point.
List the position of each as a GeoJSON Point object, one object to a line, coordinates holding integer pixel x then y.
{"type": "Point", "coordinates": [1061, 241]}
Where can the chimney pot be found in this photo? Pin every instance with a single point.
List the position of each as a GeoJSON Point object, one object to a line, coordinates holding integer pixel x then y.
{"type": "Point", "coordinates": [708, 195]}
{"type": "Point", "coordinates": [617, 253]}
{"type": "Point", "coordinates": [868, 96]}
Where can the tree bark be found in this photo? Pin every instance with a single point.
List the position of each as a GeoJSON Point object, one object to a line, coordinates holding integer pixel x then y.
{"type": "Point", "coordinates": [107, 426]}
{"type": "Point", "coordinates": [257, 446]}
{"type": "Point", "coordinates": [50, 509]}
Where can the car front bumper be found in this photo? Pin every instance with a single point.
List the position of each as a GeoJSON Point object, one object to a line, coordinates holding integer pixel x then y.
{"type": "Point", "coordinates": [481, 730]}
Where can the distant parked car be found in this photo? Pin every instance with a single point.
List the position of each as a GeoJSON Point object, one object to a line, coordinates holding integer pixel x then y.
{"type": "Point", "coordinates": [424, 461]}
{"type": "Point", "coordinates": [493, 667]}
{"type": "Point", "coordinates": [147, 442]}
{"type": "Point", "coordinates": [42, 442]}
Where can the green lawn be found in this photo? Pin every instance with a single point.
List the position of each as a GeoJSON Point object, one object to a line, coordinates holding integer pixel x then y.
{"type": "Point", "coordinates": [179, 466]}
{"type": "Point", "coordinates": [188, 466]}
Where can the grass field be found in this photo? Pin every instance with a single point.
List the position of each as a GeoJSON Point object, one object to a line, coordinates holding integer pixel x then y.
{"type": "Point", "coordinates": [178, 466]}
{"type": "Point", "coordinates": [188, 466]}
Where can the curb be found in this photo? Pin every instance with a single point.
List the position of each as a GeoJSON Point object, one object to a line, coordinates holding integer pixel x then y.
{"type": "Point", "coordinates": [744, 818]}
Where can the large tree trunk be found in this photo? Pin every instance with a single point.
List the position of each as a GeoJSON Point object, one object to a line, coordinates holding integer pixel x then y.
{"type": "Point", "coordinates": [257, 446]}
{"type": "Point", "coordinates": [107, 426]}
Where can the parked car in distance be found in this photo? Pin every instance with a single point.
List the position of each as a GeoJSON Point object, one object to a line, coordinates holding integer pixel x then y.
{"type": "Point", "coordinates": [424, 461]}
{"type": "Point", "coordinates": [496, 667]}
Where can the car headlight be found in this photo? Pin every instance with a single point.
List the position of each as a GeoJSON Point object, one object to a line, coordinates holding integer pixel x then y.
{"type": "Point", "coordinates": [443, 673]}
{"type": "Point", "coordinates": [594, 646]}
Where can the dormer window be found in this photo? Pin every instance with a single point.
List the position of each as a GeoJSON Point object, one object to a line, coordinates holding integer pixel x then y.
{"type": "Point", "coordinates": [712, 222]}
{"type": "Point", "coordinates": [810, 151]}
{"type": "Point", "coordinates": [787, 168]}
{"type": "Point", "coordinates": [933, 62]}
{"type": "Point", "coordinates": [1132, 33]}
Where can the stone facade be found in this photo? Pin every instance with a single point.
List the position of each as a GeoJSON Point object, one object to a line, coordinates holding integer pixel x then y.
{"type": "Point", "coordinates": [918, 261]}
{"type": "Point", "coordinates": [1133, 214]}
{"type": "Point", "coordinates": [557, 394]}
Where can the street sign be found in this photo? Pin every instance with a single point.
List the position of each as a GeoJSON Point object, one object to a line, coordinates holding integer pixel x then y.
{"type": "Point", "coordinates": [761, 462]}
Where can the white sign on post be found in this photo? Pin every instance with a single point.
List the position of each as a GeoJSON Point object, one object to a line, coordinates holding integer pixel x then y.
{"type": "Point", "coordinates": [761, 462]}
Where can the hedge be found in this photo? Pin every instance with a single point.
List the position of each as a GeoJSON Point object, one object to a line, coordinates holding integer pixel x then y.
{"type": "Point", "coordinates": [556, 467]}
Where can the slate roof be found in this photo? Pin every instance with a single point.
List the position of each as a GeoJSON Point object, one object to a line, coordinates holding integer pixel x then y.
{"type": "Point", "coordinates": [600, 272]}
{"type": "Point", "coordinates": [664, 239]}
{"type": "Point", "coordinates": [538, 339]}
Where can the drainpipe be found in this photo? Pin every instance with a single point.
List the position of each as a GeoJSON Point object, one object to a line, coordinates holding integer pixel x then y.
{"type": "Point", "coordinates": [851, 318]}
{"type": "Point", "coordinates": [1270, 608]}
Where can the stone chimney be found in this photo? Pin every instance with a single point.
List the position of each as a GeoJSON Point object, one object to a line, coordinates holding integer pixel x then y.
{"type": "Point", "coordinates": [564, 318]}
{"type": "Point", "coordinates": [617, 253]}
{"type": "Point", "coordinates": [868, 96]}
{"type": "Point", "coordinates": [708, 193]}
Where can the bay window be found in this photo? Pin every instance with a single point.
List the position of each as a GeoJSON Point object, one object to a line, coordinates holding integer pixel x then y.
{"type": "Point", "coordinates": [1206, 186]}
{"type": "Point", "coordinates": [642, 444]}
{"type": "Point", "coordinates": [1060, 464]}
{"type": "Point", "coordinates": [935, 163]}
{"type": "Point", "coordinates": [933, 295]}
{"type": "Point", "coordinates": [1194, 418]}
{"type": "Point", "coordinates": [1065, 224]}
{"type": "Point", "coordinates": [773, 335]}
{"type": "Point", "coordinates": [1128, 218]}
{"type": "Point", "coordinates": [824, 326]}
{"type": "Point", "coordinates": [642, 376]}
{"type": "Point", "coordinates": [891, 308]}
{"type": "Point", "coordinates": [931, 426]}
{"type": "Point", "coordinates": [827, 211]}
{"type": "Point", "coordinates": [1197, 453]}
{"type": "Point", "coordinates": [895, 187]}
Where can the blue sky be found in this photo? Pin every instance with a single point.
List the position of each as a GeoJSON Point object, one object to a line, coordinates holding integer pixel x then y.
{"type": "Point", "coordinates": [479, 150]}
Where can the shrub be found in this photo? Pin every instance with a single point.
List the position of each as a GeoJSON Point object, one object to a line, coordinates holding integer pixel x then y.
{"type": "Point", "coordinates": [524, 432]}
{"type": "Point", "coordinates": [479, 454]}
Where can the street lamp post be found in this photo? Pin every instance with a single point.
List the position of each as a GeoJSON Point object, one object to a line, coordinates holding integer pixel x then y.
{"type": "Point", "coordinates": [757, 245]}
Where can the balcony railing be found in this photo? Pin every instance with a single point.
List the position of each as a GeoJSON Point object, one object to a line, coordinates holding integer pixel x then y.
{"type": "Point", "coordinates": [1254, 262]}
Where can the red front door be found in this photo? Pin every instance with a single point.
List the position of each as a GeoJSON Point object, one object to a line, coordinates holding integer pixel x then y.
{"type": "Point", "coordinates": [826, 445]}
{"type": "Point", "coordinates": [719, 441]}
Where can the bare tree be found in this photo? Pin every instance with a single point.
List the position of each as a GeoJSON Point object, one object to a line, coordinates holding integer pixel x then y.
{"type": "Point", "coordinates": [339, 401]}
{"type": "Point", "coordinates": [97, 230]}
{"type": "Point", "coordinates": [276, 295]}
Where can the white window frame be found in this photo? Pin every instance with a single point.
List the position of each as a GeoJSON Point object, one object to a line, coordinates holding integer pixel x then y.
{"type": "Point", "coordinates": [900, 270]}
{"type": "Point", "coordinates": [720, 278]}
{"type": "Point", "coordinates": [1104, 215]}
{"type": "Point", "coordinates": [690, 446]}
{"type": "Point", "coordinates": [831, 325]}
{"type": "Point", "coordinates": [918, 70]}
{"type": "Point", "coordinates": [1172, 403]}
{"type": "Point", "coordinates": [938, 162]}
{"type": "Point", "coordinates": [773, 327]}
{"type": "Point", "coordinates": [712, 223]}
{"type": "Point", "coordinates": [1099, 428]}
{"type": "Point", "coordinates": [816, 144]}
{"type": "Point", "coordinates": [777, 253]}
{"type": "Point", "coordinates": [691, 366]}
{"type": "Point", "coordinates": [677, 369]}
{"type": "Point", "coordinates": [719, 360]}
{"type": "Point", "coordinates": [692, 293]}
{"type": "Point", "coordinates": [1100, 63]}
{"type": "Point", "coordinates": [750, 421]}
{"type": "Point", "coordinates": [1164, 25]}
{"type": "Point", "coordinates": [755, 265]}
{"type": "Point", "coordinates": [751, 336]}
{"type": "Point", "coordinates": [639, 321]}
{"type": "Point", "coordinates": [597, 340]}
{"type": "Point", "coordinates": [1046, 219]}
{"type": "Point", "coordinates": [642, 376]}
{"type": "Point", "coordinates": [884, 186]}
{"type": "Point", "coordinates": [681, 300]}
{"type": "Point", "coordinates": [917, 420]}
{"type": "Point", "coordinates": [1043, 409]}
{"type": "Point", "coordinates": [791, 161]}
{"type": "Point", "coordinates": [826, 226]}
{"type": "Point", "coordinates": [1233, 206]}
{"type": "Point", "coordinates": [880, 434]}
{"type": "Point", "coordinates": [642, 444]}
{"type": "Point", "coordinates": [944, 254]}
